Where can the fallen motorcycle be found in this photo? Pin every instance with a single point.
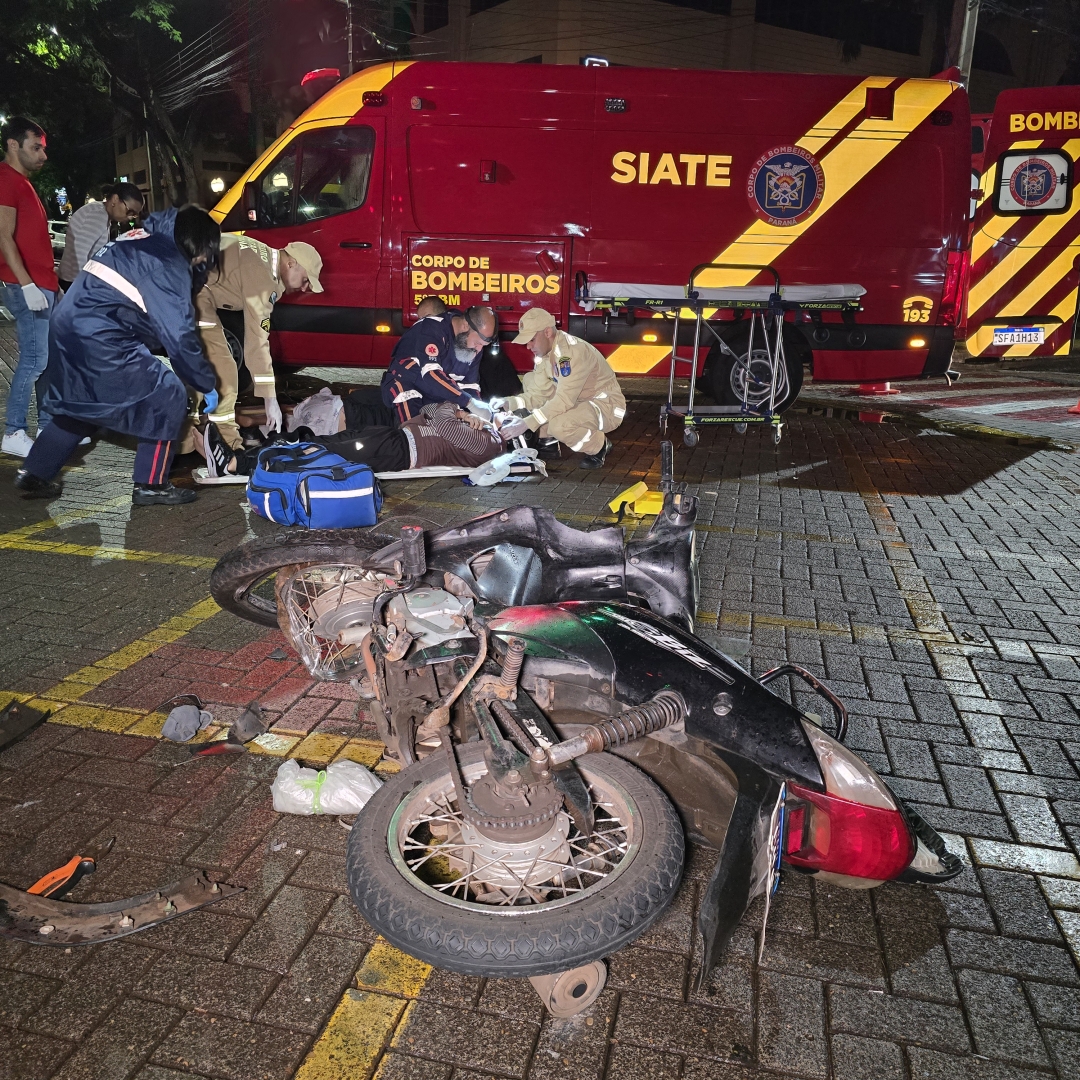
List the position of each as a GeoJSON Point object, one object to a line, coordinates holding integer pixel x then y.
{"type": "Point", "coordinates": [562, 731]}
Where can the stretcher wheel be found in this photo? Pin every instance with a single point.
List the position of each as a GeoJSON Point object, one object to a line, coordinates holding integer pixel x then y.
{"type": "Point", "coordinates": [663, 423]}
{"type": "Point", "coordinates": [776, 435]}
{"type": "Point", "coordinates": [690, 436]}
{"type": "Point", "coordinates": [740, 429]}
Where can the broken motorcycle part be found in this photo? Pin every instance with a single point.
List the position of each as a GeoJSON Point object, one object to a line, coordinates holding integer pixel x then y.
{"type": "Point", "coordinates": [59, 882]}
{"type": "Point", "coordinates": [664, 710]}
{"type": "Point", "coordinates": [249, 724]}
{"type": "Point", "coordinates": [17, 720]}
{"type": "Point", "coordinates": [571, 992]}
{"type": "Point", "coordinates": [53, 922]}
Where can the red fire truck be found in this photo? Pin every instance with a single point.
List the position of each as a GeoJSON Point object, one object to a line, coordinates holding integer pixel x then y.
{"type": "Point", "coordinates": [1025, 234]}
{"type": "Point", "coordinates": [506, 184]}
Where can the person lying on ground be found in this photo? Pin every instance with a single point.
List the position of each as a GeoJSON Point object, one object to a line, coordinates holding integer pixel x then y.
{"type": "Point", "coordinates": [442, 435]}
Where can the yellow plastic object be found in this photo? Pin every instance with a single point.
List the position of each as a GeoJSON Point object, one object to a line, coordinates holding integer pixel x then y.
{"type": "Point", "coordinates": [651, 502]}
{"type": "Point", "coordinates": [628, 496]}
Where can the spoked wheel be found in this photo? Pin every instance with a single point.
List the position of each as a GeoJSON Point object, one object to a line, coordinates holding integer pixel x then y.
{"type": "Point", "coordinates": [243, 580]}
{"type": "Point", "coordinates": [533, 902]}
{"type": "Point", "coordinates": [325, 610]}
{"type": "Point", "coordinates": [727, 377]}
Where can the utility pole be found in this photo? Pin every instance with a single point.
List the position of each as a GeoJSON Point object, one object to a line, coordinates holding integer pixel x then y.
{"type": "Point", "coordinates": [967, 38]}
{"type": "Point", "coordinates": [349, 34]}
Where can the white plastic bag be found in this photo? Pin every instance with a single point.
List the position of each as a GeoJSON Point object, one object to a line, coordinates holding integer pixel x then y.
{"type": "Point", "coordinates": [341, 788]}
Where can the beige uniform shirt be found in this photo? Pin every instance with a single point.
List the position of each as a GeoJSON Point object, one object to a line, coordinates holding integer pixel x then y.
{"type": "Point", "coordinates": [572, 373]}
{"type": "Point", "coordinates": [247, 280]}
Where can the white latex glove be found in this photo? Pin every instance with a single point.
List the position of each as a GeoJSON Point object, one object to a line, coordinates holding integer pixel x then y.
{"type": "Point", "coordinates": [512, 428]}
{"type": "Point", "coordinates": [273, 413]}
{"type": "Point", "coordinates": [480, 408]}
{"type": "Point", "coordinates": [36, 300]}
{"type": "Point", "coordinates": [498, 404]}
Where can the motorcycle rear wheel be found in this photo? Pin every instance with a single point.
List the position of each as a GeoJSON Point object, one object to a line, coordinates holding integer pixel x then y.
{"type": "Point", "coordinates": [240, 575]}
{"type": "Point", "coordinates": [623, 890]}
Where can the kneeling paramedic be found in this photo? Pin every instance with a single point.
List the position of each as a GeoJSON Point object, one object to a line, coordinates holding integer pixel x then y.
{"type": "Point", "coordinates": [250, 278]}
{"type": "Point", "coordinates": [133, 295]}
{"type": "Point", "coordinates": [438, 359]}
{"type": "Point", "coordinates": [571, 394]}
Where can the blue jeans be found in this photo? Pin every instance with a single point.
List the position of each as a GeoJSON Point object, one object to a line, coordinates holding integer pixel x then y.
{"type": "Point", "coordinates": [33, 330]}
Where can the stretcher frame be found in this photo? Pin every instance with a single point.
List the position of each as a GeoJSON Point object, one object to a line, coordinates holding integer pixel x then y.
{"type": "Point", "coordinates": [768, 308]}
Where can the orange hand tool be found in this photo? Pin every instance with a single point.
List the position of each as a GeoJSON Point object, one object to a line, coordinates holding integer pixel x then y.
{"type": "Point", "coordinates": [59, 882]}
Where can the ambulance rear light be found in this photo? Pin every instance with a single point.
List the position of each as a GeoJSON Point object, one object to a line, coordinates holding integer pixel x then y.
{"type": "Point", "coordinates": [917, 343]}
{"type": "Point", "coordinates": [952, 295]}
{"type": "Point", "coordinates": [648, 337]}
{"type": "Point", "coordinates": [373, 98]}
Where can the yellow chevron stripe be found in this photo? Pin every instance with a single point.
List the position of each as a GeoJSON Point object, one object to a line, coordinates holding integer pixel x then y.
{"type": "Point", "coordinates": [995, 229]}
{"type": "Point", "coordinates": [844, 166]}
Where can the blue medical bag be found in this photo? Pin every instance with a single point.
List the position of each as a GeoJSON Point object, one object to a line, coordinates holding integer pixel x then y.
{"type": "Point", "coordinates": [307, 484]}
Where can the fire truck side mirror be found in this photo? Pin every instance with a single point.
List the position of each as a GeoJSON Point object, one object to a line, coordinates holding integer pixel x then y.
{"type": "Point", "coordinates": [251, 203]}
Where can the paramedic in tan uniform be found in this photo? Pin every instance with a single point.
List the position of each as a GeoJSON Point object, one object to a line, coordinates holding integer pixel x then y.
{"type": "Point", "coordinates": [572, 394]}
{"type": "Point", "coordinates": [250, 278]}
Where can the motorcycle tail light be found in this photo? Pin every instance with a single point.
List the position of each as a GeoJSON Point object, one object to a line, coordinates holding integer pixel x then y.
{"type": "Point", "coordinates": [847, 838]}
{"type": "Point", "coordinates": [854, 828]}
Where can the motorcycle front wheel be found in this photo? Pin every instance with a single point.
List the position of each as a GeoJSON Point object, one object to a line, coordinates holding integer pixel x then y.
{"type": "Point", "coordinates": [242, 581]}
{"type": "Point", "coordinates": [440, 892]}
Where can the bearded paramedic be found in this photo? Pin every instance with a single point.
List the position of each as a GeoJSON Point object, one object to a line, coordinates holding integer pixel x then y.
{"type": "Point", "coordinates": [438, 359]}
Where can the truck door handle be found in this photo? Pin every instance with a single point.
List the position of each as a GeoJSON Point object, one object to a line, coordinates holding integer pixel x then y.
{"type": "Point", "coordinates": [354, 244]}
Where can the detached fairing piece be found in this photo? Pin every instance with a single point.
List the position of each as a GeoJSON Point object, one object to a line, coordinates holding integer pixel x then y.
{"type": "Point", "coordinates": [40, 921]}
{"type": "Point", "coordinates": [503, 772]}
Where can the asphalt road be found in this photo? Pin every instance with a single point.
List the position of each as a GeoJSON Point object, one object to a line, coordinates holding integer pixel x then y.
{"type": "Point", "coordinates": [932, 580]}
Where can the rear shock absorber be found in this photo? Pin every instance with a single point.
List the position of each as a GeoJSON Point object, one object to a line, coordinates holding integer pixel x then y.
{"type": "Point", "coordinates": [512, 661]}
{"type": "Point", "coordinates": [661, 711]}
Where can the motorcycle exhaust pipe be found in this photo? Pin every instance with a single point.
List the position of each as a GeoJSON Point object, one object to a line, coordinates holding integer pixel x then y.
{"type": "Point", "coordinates": [661, 711]}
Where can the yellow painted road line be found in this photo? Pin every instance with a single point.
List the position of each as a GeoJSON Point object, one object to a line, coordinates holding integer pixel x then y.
{"type": "Point", "coordinates": [368, 1017]}
{"type": "Point", "coordinates": [9, 542]}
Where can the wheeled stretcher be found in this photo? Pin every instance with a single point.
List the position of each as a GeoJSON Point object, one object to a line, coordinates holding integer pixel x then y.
{"type": "Point", "coordinates": [767, 307]}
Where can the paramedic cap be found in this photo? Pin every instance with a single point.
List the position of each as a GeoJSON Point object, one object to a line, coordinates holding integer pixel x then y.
{"type": "Point", "coordinates": [533, 320]}
{"type": "Point", "coordinates": [309, 259]}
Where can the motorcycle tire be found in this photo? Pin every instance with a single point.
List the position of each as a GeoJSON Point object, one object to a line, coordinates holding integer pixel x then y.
{"type": "Point", "coordinates": [721, 376]}
{"type": "Point", "coordinates": [514, 941]}
{"type": "Point", "coordinates": [239, 572]}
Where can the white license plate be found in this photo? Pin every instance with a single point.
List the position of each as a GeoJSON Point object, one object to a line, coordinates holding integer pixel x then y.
{"type": "Point", "coordinates": [1019, 335]}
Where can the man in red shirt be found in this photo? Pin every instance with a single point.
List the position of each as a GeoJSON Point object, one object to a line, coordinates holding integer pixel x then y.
{"type": "Point", "coordinates": [28, 284]}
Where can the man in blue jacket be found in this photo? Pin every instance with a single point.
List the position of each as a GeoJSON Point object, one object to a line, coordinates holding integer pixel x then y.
{"type": "Point", "coordinates": [438, 359]}
{"type": "Point", "coordinates": [133, 299]}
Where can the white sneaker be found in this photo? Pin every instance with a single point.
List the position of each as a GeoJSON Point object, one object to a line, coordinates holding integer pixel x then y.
{"type": "Point", "coordinates": [18, 443]}
{"type": "Point", "coordinates": [85, 442]}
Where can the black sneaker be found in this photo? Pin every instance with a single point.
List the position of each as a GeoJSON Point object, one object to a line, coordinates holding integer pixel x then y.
{"type": "Point", "coordinates": [594, 461]}
{"type": "Point", "coordinates": [160, 495]}
{"type": "Point", "coordinates": [218, 452]}
{"type": "Point", "coordinates": [33, 487]}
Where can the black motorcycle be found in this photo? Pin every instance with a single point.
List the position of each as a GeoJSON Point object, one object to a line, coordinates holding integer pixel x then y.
{"type": "Point", "coordinates": [562, 731]}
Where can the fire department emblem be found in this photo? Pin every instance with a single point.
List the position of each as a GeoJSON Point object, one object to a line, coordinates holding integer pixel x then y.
{"type": "Point", "coordinates": [1033, 182]}
{"type": "Point", "coordinates": [785, 185]}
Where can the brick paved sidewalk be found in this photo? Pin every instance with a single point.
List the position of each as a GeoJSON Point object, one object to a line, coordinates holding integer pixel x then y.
{"type": "Point", "coordinates": [932, 581]}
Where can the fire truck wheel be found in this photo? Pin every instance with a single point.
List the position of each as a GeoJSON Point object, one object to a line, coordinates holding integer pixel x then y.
{"type": "Point", "coordinates": [725, 376]}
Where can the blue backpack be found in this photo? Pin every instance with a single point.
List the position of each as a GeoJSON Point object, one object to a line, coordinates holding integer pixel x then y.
{"type": "Point", "coordinates": [307, 484]}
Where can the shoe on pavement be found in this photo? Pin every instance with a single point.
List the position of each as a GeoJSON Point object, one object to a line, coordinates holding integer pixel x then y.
{"type": "Point", "coordinates": [218, 452]}
{"type": "Point", "coordinates": [160, 495]}
{"type": "Point", "coordinates": [33, 487]}
{"type": "Point", "coordinates": [594, 461]}
{"type": "Point", "coordinates": [85, 442]}
{"type": "Point", "coordinates": [18, 443]}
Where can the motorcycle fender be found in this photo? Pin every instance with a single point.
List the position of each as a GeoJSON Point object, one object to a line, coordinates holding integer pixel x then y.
{"type": "Point", "coordinates": [739, 874]}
